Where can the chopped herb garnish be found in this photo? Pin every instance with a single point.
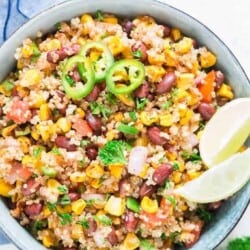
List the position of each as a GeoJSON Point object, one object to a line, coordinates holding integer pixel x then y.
{"type": "Point", "coordinates": [204, 214]}
{"type": "Point", "coordinates": [176, 166]}
{"type": "Point", "coordinates": [37, 151]}
{"type": "Point", "coordinates": [58, 26]}
{"type": "Point", "coordinates": [65, 200]}
{"type": "Point", "coordinates": [84, 143]}
{"type": "Point", "coordinates": [194, 157]}
{"type": "Point", "coordinates": [113, 152]}
{"type": "Point", "coordinates": [132, 115]}
{"type": "Point", "coordinates": [137, 54]}
{"type": "Point", "coordinates": [167, 104]}
{"type": "Point", "coordinates": [84, 223]}
{"type": "Point", "coordinates": [104, 219]}
{"type": "Point", "coordinates": [111, 98]}
{"type": "Point", "coordinates": [100, 109]}
{"type": "Point", "coordinates": [141, 103]}
{"type": "Point", "coordinates": [90, 202]}
{"type": "Point", "coordinates": [171, 199]}
{"type": "Point", "coordinates": [51, 206]}
{"type": "Point", "coordinates": [163, 236]}
{"type": "Point", "coordinates": [99, 15]}
{"type": "Point", "coordinates": [146, 245]}
{"type": "Point", "coordinates": [167, 184]}
{"type": "Point", "coordinates": [55, 151]}
{"type": "Point", "coordinates": [63, 189]}
{"type": "Point", "coordinates": [173, 235]}
{"type": "Point", "coordinates": [38, 225]}
{"type": "Point", "coordinates": [127, 129]}
{"type": "Point", "coordinates": [65, 218]}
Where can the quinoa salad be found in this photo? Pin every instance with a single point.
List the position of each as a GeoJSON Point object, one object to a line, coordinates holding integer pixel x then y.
{"type": "Point", "coordinates": [100, 123]}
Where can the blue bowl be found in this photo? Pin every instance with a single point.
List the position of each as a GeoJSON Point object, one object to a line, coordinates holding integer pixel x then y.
{"type": "Point", "coordinates": [231, 211]}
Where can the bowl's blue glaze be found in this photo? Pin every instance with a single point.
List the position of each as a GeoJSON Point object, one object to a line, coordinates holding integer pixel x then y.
{"type": "Point", "coordinates": [233, 208]}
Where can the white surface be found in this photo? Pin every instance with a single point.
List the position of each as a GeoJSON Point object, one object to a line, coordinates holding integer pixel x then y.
{"type": "Point", "coordinates": [229, 19]}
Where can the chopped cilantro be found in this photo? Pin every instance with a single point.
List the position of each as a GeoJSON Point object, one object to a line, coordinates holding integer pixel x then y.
{"type": "Point", "coordinates": [132, 115]}
{"type": "Point", "coordinates": [171, 199]}
{"type": "Point", "coordinates": [104, 219]}
{"type": "Point", "coordinates": [146, 245]}
{"type": "Point", "coordinates": [167, 104]}
{"type": "Point", "coordinates": [37, 151]}
{"type": "Point", "coordinates": [100, 109]}
{"type": "Point", "coordinates": [176, 166]}
{"type": "Point", "coordinates": [173, 235]}
{"type": "Point", "coordinates": [137, 54]}
{"type": "Point", "coordinates": [58, 26]}
{"type": "Point", "coordinates": [84, 143]}
{"type": "Point", "coordinates": [65, 200]}
{"type": "Point", "coordinates": [63, 189]}
{"type": "Point", "coordinates": [111, 98]}
{"type": "Point", "coordinates": [204, 214]}
{"type": "Point", "coordinates": [167, 184]}
{"type": "Point", "coordinates": [38, 225]}
{"type": "Point", "coordinates": [194, 157]}
{"type": "Point", "coordinates": [65, 218]}
{"type": "Point", "coordinates": [55, 151]}
{"type": "Point", "coordinates": [127, 129]}
{"type": "Point", "coordinates": [51, 206]}
{"type": "Point", "coordinates": [84, 223]}
{"type": "Point", "coordinates": [141, 103]}
{"type": "Point", "coordinates": [113, 152]}
{"type": "Point", "coordinates": [99, 15]}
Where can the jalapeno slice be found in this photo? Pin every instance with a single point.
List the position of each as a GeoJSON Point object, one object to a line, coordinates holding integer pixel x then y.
{"type": "Point", "coordinates": [123, 72]}
{"type": "Point", "coordinates": [78, 90]}
{"type": "Point", "coordinates": [100, 57]}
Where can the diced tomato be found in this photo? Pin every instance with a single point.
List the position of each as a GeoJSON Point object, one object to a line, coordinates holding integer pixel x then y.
{"type": "Point", "coordinates": [196, 234]}
{"type": "Point", "coordinates": [166, 205]}
{"type": "Point", "coordinates": [154, 220]}
{"type": "Point", "coordinates": [82, 127]}
{"type": "Point", "coordinates": [207, 88]}
{"type": "Point", "coordinates": [19, 172]}
{"type": "Point", "coordinates": [19, 111]}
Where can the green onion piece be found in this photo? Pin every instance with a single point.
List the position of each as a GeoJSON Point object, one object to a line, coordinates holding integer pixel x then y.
{"type": "Point", "coordinates": [127, 129]}
{"type": "Point", "coordinates": [132, 115]}
{"type": "Point", "coordinates": [137, 54]}
{"type": "Point", "coordinates": [49, 171]}
{"type": "Point", "coordinates": [65, 200]}
{"type": "Point", "coordinates": [63, 189]}
{"type": "Point", "coordinates": [105, 220]}
{"type": "Point", "coordinates": [133, 205]}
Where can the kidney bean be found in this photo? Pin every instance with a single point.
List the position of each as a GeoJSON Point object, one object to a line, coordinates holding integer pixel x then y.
{"type": "Point", "coordinates": [92, 152]}
{"type": "Point", "coordinates": [112, 237]}
{"type": "Point", "coordinates": [124, 186]}
{"type": "Point", "coordinates": [127, 26]}
{"type": "Point", "coordinates": [167, 82]}
{"type": "Point", "coordinates": [219, 79]}
{"type": "Point", "coordinates": [154, 136]}
{"type": "Point", "coordinates": [214, 205]}
{"type": "Point", "coordinates": [206, 110]}
{"type": "Point", "coordinates": [30, 187]}
{"type": "Point", "coordinates": [162, 173]}
{"type": "Point", "coordinates": [195, 44]}
{"type": "Point", "coordinates": [140, 46]}
{"type": "Point", "coordinates": [76, 76]}
{"type": "Point", "coordinates": [196, 234]}
{"type": "Point", "coordinates": [1, 111]}
{"type": "Point", "coordinates": [166, 31]}
{"type": "Point", "coordinates": [142, 91]}
{"type": "Point", "coordinates": [94, 122]}
{"type": "Point", "coordinates": [33, 209]}
{"type": "Point", "coordinates": [130, 221]}
{"type": "Point", "coordinates": [92, 226]}
{"type": "Point", "coordinates": [93, 95]}
{"type": "Point", "coordinates": [64, 142]}
{"type": "Point", "coordinates": [146, 190]}
{"type": "Point", "coordinates": [74, 196]}
{"type": "Point", "coordinates": [53, 56]}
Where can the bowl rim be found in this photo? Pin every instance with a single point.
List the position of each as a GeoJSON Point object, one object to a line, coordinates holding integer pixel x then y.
{"type": "Point", "coordinates": [163, 4]}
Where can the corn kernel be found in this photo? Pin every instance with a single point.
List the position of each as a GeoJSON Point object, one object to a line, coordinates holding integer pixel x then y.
{"type": "Point", "coordinates": [166, 120]}
{"type": "Point", "coordinates": [115, 206]}
{"type": "Point", "coordinates": [20, 64]}
{"type": "Point", "coordinates": [44, 131]}
{"type": "Point", "coordinates": [126, 99]}
{"type": "Point", "coordinates": [77, 177]}
{"type": "Point", "coordinates": [131, 242]}
{"type": "Point", "coordinates": [141, 141]}
{"type": "Point", "coordinates": [22, 91]}
{"type": "Point", "coordinates": [171, 155]}
{"type": "Point", "coordinates": [31, 77]}
{"type": "Point", "coordinates": [225, 91]}
{"type": "Point", "coordinates": [76, 231]}
{"type": "Point", "coordinates": [37, 100]}
{"type": "Point", "coordinates": [64, 209]}
{"type": "Point", "coordinates": [78, 206]}
{"type": "Point", "coordinates": [64, 124]}
{"type": "Point", "coordinates": [110, 19]}
{"type": "Point", "coordinates": [110, 135]}
{"type": "Point", "coordinates": [53, 184]}
{"type": "Point", "coordinates": [149, 205]}
{"type": "Point", "coordinates": [86, 18]}
{"type": "Point", "coordinates": [157, 59]}
{"type": "Point", "coordinates": [95, 183]}
{"type": "Point", "coordinates": [127, 53]}
{"type": "Point", "coordinates": [81, 41]}
{"type": "Point", "coordinates": [116, 170]}
{"type": "Point", "coordinates": [7, 131]}
{"type": "Point", "coordinates": [5, 188]}
{"type": "Point", "coordinates": [27, 50]}
{"type": "Point", "coordinates": [184, 46]}
{"type": "Point", "coordinates": [177, 177]}
{"type": "Point", "coordinates": [187, 117]}
{"type": "Point", "coordinates": [207, 59]}
{"type": "Point", "coordinates": [46, 211]}
{"type": "Point", "coordinates": [181, 95]}
{"type": "Point", "coordinates": [44, 112]}
{"type": "Point", "coordinates": [25, 143]}
{"type": "Point", "coordinates": [35, 134]}
{"type": "Point", "coordinates": [53, 44]}
{"type": "Point", "coordinates": [149, 117]}
{"type": "Point", "coordinates": [184, 208]}
{"type": "Point", "coordinates": [48, 238]}
{"type": "Point", "coordinates": [115, 45]}
{"type": "Point", "coordinates": [80, 112]}
{"type": "Point", "coordinates": [185, 80]}
{"type": "Point", "coordinates": [194, 174]}
{"type": "Point", "coordinates": [144, 172]}
{"type": "Point", "coordinates": [95, 171]}
{"type": "Point", "coordinates": [118, 117]}
{"type": "Point", "coordinates": [171, 58]}
{"type": "Point", "coordinates": [176, 34]}
{"type": "Point", "coordinates": [154, 73]}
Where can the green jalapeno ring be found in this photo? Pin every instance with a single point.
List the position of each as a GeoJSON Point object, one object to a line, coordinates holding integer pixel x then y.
{"type": "Point", "coordinates": [86, 73]}
{"type": "Point", "coordinates": [136, 75]}
{"type": "Point", "coordinates": [100, 66]}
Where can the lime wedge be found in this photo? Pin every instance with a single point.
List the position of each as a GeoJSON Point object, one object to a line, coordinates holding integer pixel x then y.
{"type": "Point", "coordinates": [219, 182]}
{"type": "Point", "coordinates": [226, 132]}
